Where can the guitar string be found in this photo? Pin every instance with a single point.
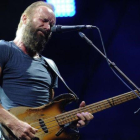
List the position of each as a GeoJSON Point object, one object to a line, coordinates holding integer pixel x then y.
{"type": "Point", "coordinates": [44, 133]}
{"type": "Point", "coordinates": [40, 133]}
{"type": "Point", "coordinates": [52, 117]}
{"type": "Point", "coordinates": [47, 133]}
{"type": "Point", "coordinates": [73, 111]}
{"type": "Point", "coordinates": [72, 114]}
{"type": "Point", "coordinates": [60, 116]}
{"type": "Point", "coordinates": [130, 96]}
{"type": "Point", "coordinates": [94, 109]}
{"type": "Point", "coordinates": [50, 131]}
{"type": "Point", "coordinates": [89, 108]}
{"type": "Point", "coordinates": [82, 108]}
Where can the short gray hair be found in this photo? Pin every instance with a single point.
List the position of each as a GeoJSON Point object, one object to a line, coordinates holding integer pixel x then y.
{"type": "Point", "coordinates": [30, 9]}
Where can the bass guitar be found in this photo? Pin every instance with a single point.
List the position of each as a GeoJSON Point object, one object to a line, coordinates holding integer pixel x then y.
{"type": "Point", "coordinates": [51, 120]}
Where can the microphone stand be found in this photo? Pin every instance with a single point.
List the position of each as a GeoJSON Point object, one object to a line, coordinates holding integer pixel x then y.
{"type": "Point", "coordinates": [111, 64]}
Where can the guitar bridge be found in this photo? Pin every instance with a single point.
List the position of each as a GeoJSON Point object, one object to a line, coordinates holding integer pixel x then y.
{"type": "Point", "coordinates": [43, 126]}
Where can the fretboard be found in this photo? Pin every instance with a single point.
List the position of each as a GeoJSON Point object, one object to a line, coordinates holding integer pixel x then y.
{"type": "Point", "coordinates": [70, 116]}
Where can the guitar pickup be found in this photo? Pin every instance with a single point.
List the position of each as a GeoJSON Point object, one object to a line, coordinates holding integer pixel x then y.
{"type": "Point", "coordinates": [43, 126]}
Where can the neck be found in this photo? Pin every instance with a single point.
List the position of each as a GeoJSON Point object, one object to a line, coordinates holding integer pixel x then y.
{"type": "Point", "coordinates": [18, 41]}
{"type": "Point", "coordinates": [20, 44]}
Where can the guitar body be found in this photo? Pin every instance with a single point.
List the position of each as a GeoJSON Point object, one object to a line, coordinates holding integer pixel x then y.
{"type": "Point", "coordinates": [44, 119]}
{"type": "Point", "coordinates": [51, 120]}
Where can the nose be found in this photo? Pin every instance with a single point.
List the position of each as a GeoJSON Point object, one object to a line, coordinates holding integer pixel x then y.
{"type": "Point", "coordinates": [47, 26]}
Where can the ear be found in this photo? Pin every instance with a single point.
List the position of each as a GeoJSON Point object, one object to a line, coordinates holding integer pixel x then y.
{"type": "Point", "coordinates": [24, 19]}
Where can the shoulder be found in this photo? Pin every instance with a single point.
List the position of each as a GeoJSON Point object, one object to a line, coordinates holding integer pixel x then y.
{"type": "Point", "coordinates": [5, 52]}
{"type": "Point", "coordinates": [8, 46]}
{"type": "Point", "coordinates": [5, 44]}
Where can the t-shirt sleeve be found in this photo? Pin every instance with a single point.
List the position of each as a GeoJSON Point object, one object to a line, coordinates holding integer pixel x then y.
{"type": "Point", "coordinates": [4, 53]}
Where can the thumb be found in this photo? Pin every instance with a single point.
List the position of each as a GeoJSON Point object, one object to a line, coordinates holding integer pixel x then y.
{"type": "Point", "coordinates": [82, 104]}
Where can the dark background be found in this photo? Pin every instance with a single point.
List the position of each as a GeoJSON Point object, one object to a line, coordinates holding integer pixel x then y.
{"type": "Point", "coordinates": [84, 70]}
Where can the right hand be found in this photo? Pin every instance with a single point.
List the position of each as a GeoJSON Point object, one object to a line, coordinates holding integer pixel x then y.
{"type": "Point", "coordinates": [22, 130]}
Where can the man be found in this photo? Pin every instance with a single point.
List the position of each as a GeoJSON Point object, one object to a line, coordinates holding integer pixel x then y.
{"type": "Point", "coordinates": [26, 79]}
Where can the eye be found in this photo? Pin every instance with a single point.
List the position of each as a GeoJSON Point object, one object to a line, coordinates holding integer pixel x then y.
{"type": "Point", "coordinates": [45, 20]}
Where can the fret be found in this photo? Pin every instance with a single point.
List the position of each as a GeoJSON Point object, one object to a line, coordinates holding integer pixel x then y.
{"type": "Point", "coordinates": [70, 116]}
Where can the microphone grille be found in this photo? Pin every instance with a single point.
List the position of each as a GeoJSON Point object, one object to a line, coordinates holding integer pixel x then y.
{"type": "Point", "coordinates": [56, 28]}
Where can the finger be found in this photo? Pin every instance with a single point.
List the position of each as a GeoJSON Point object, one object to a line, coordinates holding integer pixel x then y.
{"type": "Point", "coordinates": [31, 135]}
{"type": "Point", "coordinates": [80, 116]}
{"type": "Point", "coordinates": [82, 104]}
{"type": "Point", "coordinates": [24, 137]}
{"type": "Point", "coordinates": [81, 122]}
{"type": "Point", "coordinates": [33, 130]}
{"type": "Point", "coordinates": [88, 116]}
{"type": "Point", "coordinates": [78, 125]}
{"type": "Point", "coordinates": [27, 138]}
{"type": "Point", "coordinates": [91, 116]}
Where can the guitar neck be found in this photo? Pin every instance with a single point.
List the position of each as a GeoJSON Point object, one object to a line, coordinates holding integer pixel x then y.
{"type": "Point", "coordinates": [70, 116]}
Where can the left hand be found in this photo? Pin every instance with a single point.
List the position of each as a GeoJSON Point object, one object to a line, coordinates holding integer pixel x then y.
{"type": "Point", "coordinates": [84, 117]}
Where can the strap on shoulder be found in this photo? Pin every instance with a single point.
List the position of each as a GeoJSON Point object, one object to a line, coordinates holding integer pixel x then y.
{"type": "Point", "coordinates": [55, 69]}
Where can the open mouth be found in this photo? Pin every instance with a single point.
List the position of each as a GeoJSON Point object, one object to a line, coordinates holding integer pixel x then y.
{"type": "Point", "coordinates": [42, 33]}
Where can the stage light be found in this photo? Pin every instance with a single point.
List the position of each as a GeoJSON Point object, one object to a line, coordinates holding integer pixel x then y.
{"type": "Point", "coordinates": [63, 8]}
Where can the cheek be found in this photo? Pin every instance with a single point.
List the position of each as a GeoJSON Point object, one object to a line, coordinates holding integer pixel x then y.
{"type": "Point", "coordinates": [37, 23]}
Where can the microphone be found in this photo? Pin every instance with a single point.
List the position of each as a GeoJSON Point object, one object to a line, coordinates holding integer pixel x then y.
{"type": "Point", "coordinates": [61, 29]}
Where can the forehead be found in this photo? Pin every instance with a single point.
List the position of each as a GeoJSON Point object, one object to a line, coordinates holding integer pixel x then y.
{"type": "Point", "coordinates": [45, 12]}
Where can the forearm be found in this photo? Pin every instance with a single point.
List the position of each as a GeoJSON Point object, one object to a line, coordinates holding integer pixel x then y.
{"type": "Point", "coordinates": [6, 117]}
{"type": "Point", "coordinates": [20, 129]}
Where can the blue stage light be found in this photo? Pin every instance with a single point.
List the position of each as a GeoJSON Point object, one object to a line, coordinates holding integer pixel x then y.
{"type": "Point", "coordinates": [63, 8]}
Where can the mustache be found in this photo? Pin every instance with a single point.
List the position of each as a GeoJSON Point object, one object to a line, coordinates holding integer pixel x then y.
{"type": "Point", "coordinates": [46, 33]}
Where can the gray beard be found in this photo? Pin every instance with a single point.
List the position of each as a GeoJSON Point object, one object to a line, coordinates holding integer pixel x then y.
{"type": "Point", "coordinates": [33, 42]}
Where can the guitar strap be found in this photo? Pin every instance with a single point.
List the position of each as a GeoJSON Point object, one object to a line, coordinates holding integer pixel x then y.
{"type": "Point", "coordinates": [56, 71]}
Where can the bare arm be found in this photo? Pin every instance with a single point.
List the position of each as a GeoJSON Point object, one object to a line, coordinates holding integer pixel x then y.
{"type": "Point", "coordinates": [4, 114]}
{"type": "Point", "coordinates": [20, 129]}
{"type": "Point", "coordinates": [52, 90]}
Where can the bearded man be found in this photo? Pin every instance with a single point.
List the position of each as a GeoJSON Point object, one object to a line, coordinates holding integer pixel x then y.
{"type": "Point", "coordinates": [26, 79]}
